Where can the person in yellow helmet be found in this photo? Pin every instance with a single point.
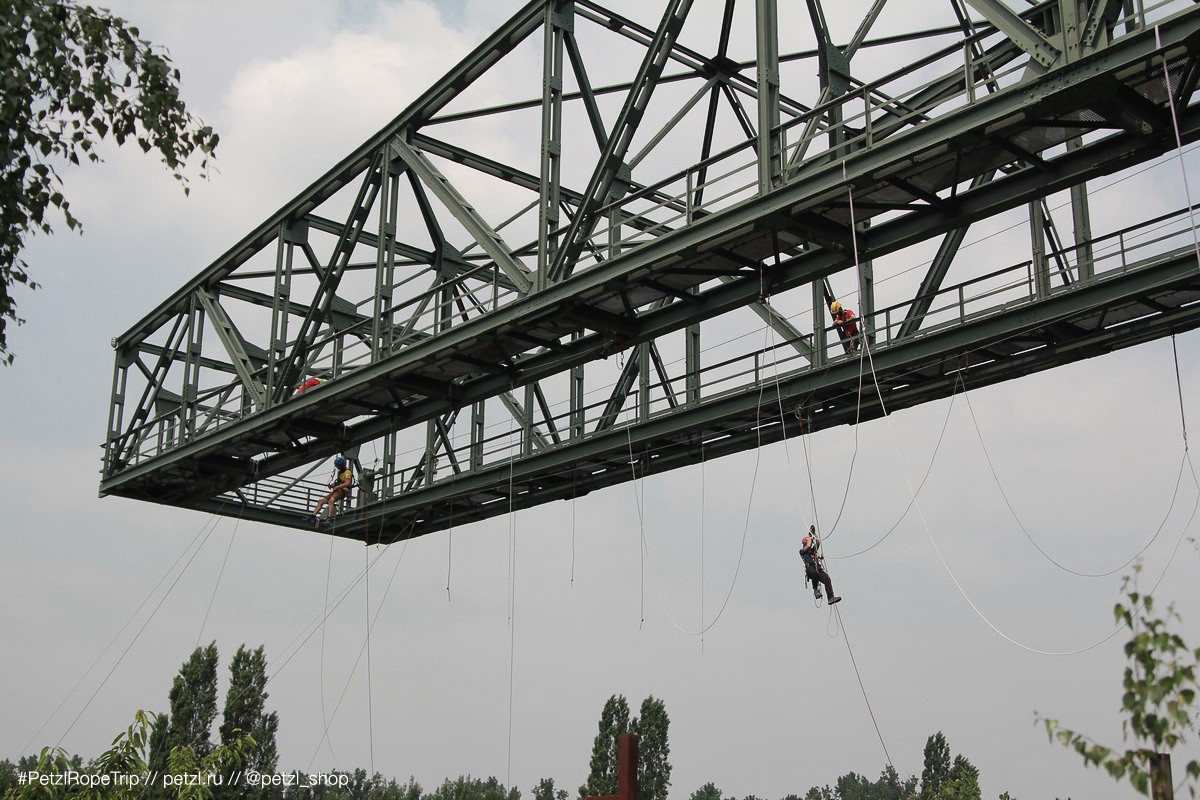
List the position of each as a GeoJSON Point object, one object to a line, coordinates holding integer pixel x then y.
{"type": "Point", "coordinates": [814, 566]}
{"type": "Point", "coordinates": [844, 321]}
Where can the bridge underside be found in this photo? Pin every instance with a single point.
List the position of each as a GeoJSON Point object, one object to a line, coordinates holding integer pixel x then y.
{"type": "Point", "coordinates": [642, 265]}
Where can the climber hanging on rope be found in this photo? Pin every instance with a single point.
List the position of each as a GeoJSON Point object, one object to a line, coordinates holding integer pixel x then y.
{"type": "Point", "coordinates": [844, 321]}
{"type": "Point", "coordinates": [814, 566]}
{"type": "Point", "coordinates": [339, 488]}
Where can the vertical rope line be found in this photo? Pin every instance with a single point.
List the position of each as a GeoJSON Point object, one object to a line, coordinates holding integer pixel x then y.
{"type": "Point", "coordinates": [574, 500]}
{"type": "Point", "coordinates": [141, 630]}
{"type": "Point", "coordinates": [1178, 141]}
{"type": "Point", "coordinates": [703, 493]}
{"type": "Point", "coordinates": [324, 617]}
{"type": "Point", "coordinates": [370, 701]}
{"type": "Point", "coordinates": [837, 611]}
{"type": "Point", "coordinates": [1179, 392]}
{"type": "Point", "coordinates": [639, 500]}
{"type": "Point", "coordinates": [220, 574]}
{"type": "Point", "coordinates": [512, 608]}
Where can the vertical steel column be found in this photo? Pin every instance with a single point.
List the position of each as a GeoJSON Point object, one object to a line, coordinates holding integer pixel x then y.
{"type": "Point", "coordinates": [578, 400]}
{"type": "Point", "coordinates": [116, 409]}
{"type": "Point", "coordinates": [290, 235]}
{"type": "Point", "coordinates": [188, 405]}
{"type": "Point", "coordinates": [643, 356]}
{"type": "Point", "coordinates": [478, 431]}
{"type": "Point", "coordinates": [1041, 264]}
{"type": "Point", "coordinates": [820, 342]}
{"type": "Point", "coordinates": [560, 20]}
{"type": "Point", "coordinates": [527, 421]}
{"type": "Point", "coordinates": [770, 154]}
{"type": "Point", "coordinates": [383, 322]}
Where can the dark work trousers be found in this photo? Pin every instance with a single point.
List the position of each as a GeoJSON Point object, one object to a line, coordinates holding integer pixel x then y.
{"type": "Point", "coordinates": [820, 575]}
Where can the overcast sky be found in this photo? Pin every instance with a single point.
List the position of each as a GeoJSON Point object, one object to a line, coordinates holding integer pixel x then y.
{"type": "Point", "coordinates": [765, 703]}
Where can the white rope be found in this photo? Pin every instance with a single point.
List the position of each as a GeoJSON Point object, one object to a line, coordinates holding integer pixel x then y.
{"type": "Point", "coordinates": [1020, 524]}
{"type": "Point", "coordinates": [950, 572]}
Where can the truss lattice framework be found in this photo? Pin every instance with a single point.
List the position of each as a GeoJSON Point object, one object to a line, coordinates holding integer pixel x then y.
{"type": "Point", "coordinates": [603, 275]}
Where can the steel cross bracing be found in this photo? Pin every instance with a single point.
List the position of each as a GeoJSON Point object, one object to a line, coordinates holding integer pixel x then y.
{"type": "Point", "coordinates": [625, 267]}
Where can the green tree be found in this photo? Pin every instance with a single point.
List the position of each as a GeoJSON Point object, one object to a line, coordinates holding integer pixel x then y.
{"type": "Point", "coordinates": [245, 713]}
{"type": "Point", "coordinates": [193, 699]}
{"type": "Point", "coordinates": [936, 771]}
{"type": "Point", "coordinates": [544, 790]}
{"type": "Point", "coordinates": [74, 75]}
{"type": "Point", "coordinates": [708, 791]}
{"type": "Point", "coordinates": [654, 750]}
{"type": "Point", "coordinates": [467, 788]}
{"type": "Point", "coordinates": [614, 721]}
{"type": "Point", "coordinates": [129, 756]}
{"type": "Point", "coordinates": [1158, 698]}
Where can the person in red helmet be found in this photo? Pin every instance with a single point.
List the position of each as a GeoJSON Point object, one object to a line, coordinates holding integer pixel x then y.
{"type": "Point", "coordinates": [814, 566]}
{"type": "Point", "coordinates": [843, 320]}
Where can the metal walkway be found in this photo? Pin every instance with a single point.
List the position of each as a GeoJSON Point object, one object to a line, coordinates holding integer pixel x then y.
{"type": "Point", "coordinates": [597, 322]}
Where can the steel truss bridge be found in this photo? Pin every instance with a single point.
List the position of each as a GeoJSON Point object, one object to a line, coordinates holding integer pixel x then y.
{"type": "Point", "coordinates": [603, 247]}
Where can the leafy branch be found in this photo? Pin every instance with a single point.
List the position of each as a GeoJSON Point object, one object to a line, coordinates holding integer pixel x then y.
{"type": "Point", "coordinates": [71, 76]}
{"type": "Point", "coordinates": [1158, 699]}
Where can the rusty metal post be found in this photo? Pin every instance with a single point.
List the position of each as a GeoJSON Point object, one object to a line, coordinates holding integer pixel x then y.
{"type": "Point", "coordinates": [627, 766]}
{"type": "Point", "coordinates": [627, 770]}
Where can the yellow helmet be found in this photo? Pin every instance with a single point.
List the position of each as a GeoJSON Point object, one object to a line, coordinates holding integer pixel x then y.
{"type": "Point", "coordinates": [835, 306]}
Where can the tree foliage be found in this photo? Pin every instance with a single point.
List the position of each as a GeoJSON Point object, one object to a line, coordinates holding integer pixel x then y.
{"type": "Point", "coordinates": [545, 790]}
{"type": "Point", "coordinates": [1158, 698]}
{"type": "Point", "coordinates": [654, 750]}
{"type": "Point", "coordinates": [74, 75]}
{"type": "Point", "coordinates": [193, 699]}
{"type": "Point", "coordinates": [708, 791]}
{"type": "Point", "coordinates": [602, 775]}
{"type": "Point", "coordinates": [245, 712]}
{"type": "Point", "coordinates": [467, 788]}
{"type": "Point", "coordinates": [129, 756]}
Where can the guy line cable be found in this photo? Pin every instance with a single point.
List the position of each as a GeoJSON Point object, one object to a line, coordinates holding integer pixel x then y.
{"type": "Point", "coordinates": [212, 520]}
{"type": "Point", "coordinates": [138, 635]}
{"type": "Point", "coordinates": [362, 648]}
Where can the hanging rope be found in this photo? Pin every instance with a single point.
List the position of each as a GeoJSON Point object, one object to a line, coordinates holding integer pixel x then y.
{"type": "Point", "coordinates": [946, 566]}
{"type": "Point", "coordinates": [136, 636]}
{"type": "Point", "coordinates": [929, 470]}
{"type": "Point", "coordinates": [212, 520]}
{"type": "Point", "coordinates": [846, 638]}
{"type": "Point", "coordinates": [362, 648]}
{"type": "Point", "coordinates": [745, 530]}
{"type": "Point", "coordinates": [1178, 140]}
{"type": "Point", "coordinates": [369, 624]}
{"type": "Point", "coordinates": [325, 608]}
{"type": "Point", "coordinates": [1020, 524]}
{"type": "Point", "coordinates": [512, 607]}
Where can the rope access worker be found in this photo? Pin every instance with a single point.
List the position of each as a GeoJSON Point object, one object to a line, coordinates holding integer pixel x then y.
{"type": "Point", "coordinates": [339, 488]}
{"type": "Point", "coordinates": [814, 566]}
{"type": "Point", "coordinates": [843, 320]}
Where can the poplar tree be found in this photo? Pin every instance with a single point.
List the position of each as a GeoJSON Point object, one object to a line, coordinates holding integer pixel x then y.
{"type": "Point", "coordinates": [193, 700]}
{"type": "Point", "coordinates": [654, 750]}
{"type": "Point", "coordinates": [614, 721]}
{"type": "Point", "coordinates": [246, 714]}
